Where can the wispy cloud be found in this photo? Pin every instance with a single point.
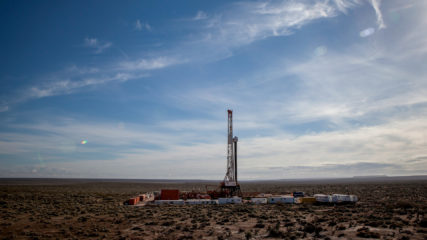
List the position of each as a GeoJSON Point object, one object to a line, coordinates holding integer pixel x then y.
{"type": "Point", "coordinates": [97, 45]}
{"type": "Point", "coordinates": [249, 22]}
{"type": "Point", "coordinates": [382, 149]}
{"type": "Point", "coordinates": [150, 64]}
{"type": "Point", "coordinates": [142, 25]}
{"type": "Point", "coordinates": [200, 15]}
{"type": "Point", "coordinates": [366, 82]}
{"type": "Point", "coordinates": [246, 22]}
{"type": "Point", "coordinates": [73, 79]}
{"type": "Point", "coordinates": [376, 5]}
{"type": "Point", "coordinates": [344, 5]}
{"type": "Point", "coordinates": [241, 25]}
{"type": "Point", "coordinates": [68, 86]}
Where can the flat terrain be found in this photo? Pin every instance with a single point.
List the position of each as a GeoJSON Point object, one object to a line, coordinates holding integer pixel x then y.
{"type": "Point", "coordinates": [81, 209]}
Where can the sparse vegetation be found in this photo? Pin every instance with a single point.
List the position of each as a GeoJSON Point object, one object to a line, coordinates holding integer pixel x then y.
{"type": "Point", "coordinates": [94, 210]}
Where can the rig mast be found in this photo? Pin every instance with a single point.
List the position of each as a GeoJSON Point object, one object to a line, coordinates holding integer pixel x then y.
{"type": "Point", "coordinates": [230, 187]}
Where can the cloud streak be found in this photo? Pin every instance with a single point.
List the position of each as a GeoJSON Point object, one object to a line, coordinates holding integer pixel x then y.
{"type": "Point", "coordinates": [376, 5]}
{"type": "Point", "coordinates": [150, 64]}
{"type": "Point", "coordinates": [139, 26]}
{"type": "Point", "coordinates": [69, 86]}
{"type": "Point", "coordinates": [200, 16]}
{"type": "Point", "coordinates": [98, 46]}
{"type": "Point", "coordinates": [392, 148]}
{"type": "Point", "coordinates": [259, 20]}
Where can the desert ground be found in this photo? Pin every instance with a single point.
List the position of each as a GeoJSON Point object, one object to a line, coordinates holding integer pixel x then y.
{"type": "Point", "coordinates": [93, 209]}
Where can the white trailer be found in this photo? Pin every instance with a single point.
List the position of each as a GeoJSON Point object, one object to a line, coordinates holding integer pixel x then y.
{"type": "Point", "coordinates": [342, 197]}
{"type": "Point", "coordinates": [322, 198]}
{"type": "Point", "coordinates": [201, 202]}
{"type": "Point", "coordinates": [281, 199]}
{"type": "Point", "coordinates": [172, 202]}
{"type": "Point", "coordinates": [258, 200]}
{"type": "Point", "coordinates": [233, 200]}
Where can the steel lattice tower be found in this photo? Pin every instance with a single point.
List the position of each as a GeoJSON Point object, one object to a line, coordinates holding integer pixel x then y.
{"type": "Point", "coordinates": [230, 187]}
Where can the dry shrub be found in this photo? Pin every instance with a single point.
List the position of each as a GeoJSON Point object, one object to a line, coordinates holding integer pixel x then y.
{"type": "Point", "coordinates": [364, 232]}
{"type": "Point", "coordinates": [404, 204]}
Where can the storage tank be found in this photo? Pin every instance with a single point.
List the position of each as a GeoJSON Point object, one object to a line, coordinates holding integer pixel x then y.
{"type": "Point", "coordinates": [342, 197]}
{"type": "Point", "coordinates": [333, 199]}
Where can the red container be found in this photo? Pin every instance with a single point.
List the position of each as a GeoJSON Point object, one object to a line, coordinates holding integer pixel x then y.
{"type": "Point", "coordinates": [204, 197]}
{"type": "Point", "coordinates": [132, 201]}
{"type": "Point", "coordinates": [169, 194]}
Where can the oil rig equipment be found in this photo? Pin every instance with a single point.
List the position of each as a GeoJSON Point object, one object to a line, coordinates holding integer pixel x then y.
{"type": "Point", "coordinates": [230, 187]}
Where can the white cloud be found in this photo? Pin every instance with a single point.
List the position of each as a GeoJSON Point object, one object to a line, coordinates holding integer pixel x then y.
{"type": "Point", "coordinates": [74, 78]}
{"type": "Point", "coordinates": [376, 5]}
{"type": "Point", "coordinates": [343, 5]}
{"type": "Point", "coordinates": [246, 22]}
{"type": "Point", "coordinates": [367, 32]}
{"type": "Point", "coordinates": [142, 25]}
{"type": "Point", "coordinates": [98, 46]}
{"type": "Point", "coordinates": [200, 16]}
{"type": "Point", "coordinates": [67, 86]}
{"type": "Point", "coordinates": [388, 148]}
{"type": "Point", "coordinates": [150, 64]}
{"type": "Point", "coordinates": [366, 80]}
{"type": "Point", "coordinates": [249, 22]}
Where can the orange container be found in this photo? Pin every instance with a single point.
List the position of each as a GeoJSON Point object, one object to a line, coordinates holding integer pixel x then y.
{"type": "Point", "coordinates": [169, 194]}
{"type": "Point", "coordinates": [132, 201]}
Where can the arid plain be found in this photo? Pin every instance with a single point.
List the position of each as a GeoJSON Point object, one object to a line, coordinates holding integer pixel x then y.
{"type": "Point", "coordinates": [93, 209]}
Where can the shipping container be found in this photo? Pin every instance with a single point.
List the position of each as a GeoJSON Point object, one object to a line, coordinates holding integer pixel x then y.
{"type": "Point", "coordinates": [258, 200]}
{"type": "Point", "coordinates": [280, 199]}
{"type": "Point", "coordinates": [132, 201]}
{"type": "Point", "coordinates": [169, 194]}
{"type": "Point", "coordinates": [233, 200]}
{"type": "Point", "coordinates": [298, 194]}
{"type": "Point", "coordinates": [172, 202]}
{"type": "Point", "coordinates": [322, 198]}
{"type": "Point", "coordinates": [306, 200]}
{"type": "Point", "coordinates": [264, 195]}
{"type": "Point", "coordinates": [201, 202]}
{"type": "Point", "coordinates": [354, 198]}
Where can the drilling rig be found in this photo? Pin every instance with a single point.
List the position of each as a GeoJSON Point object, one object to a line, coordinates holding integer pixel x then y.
{"type": "Point", "coordinates": [230, 187]}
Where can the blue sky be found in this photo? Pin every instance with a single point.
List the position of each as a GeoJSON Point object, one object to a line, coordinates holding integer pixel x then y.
{"type": "Point", "coordinates": [140, 89]}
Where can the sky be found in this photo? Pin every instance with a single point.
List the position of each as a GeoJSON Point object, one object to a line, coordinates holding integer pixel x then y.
{"type": "Point", "coordinates": [140, 89]}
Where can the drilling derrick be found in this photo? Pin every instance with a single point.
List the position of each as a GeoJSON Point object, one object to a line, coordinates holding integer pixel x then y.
{"type": "Point", "coordinates": [230, 187]}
